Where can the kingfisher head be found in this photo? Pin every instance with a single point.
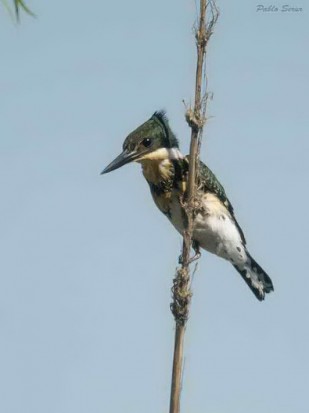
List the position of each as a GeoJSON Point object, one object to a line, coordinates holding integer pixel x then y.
{"type": "Point", "coordinates": [153, 139]}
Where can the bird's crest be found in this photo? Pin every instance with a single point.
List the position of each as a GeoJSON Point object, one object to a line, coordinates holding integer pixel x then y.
{"type": "Point", "coordinates": [170, 139]}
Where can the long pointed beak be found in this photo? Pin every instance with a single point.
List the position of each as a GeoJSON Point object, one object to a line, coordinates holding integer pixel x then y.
{"type": "Point", "coordinates": [122, 159]}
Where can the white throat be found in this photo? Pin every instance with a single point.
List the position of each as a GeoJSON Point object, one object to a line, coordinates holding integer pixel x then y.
{"type": "Point", "coordinates": [164, 154]}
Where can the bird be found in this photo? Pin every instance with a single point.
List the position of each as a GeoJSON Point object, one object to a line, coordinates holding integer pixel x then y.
{"type": "Point", "coordinates": [215, 228]}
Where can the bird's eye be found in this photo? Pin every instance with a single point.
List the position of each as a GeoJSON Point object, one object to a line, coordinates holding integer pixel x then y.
{"type": "Point", "coordinates": [147, 142]}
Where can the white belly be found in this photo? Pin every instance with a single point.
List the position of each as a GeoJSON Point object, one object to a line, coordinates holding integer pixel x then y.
{"type": "Point", "coordinates": [214, 229]}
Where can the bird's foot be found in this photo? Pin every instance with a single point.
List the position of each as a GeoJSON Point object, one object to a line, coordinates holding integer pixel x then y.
{"type": "Point", "coordinates": [180, 259]}
{"type": "Point", "coordinates": [196, 256]}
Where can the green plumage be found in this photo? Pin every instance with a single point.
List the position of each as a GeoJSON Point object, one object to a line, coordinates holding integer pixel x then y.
{"type": "Point", "coordinates": [215, 228]}
{"type": "Point", "coordinates": [209, 182]}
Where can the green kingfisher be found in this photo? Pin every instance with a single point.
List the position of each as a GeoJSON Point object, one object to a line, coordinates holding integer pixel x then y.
{"type": "Point", "coordinates": [215, 228]}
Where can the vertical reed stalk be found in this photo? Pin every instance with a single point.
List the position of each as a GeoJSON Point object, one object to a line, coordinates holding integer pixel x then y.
{"type": "Point", "coordinates": [196, 119]}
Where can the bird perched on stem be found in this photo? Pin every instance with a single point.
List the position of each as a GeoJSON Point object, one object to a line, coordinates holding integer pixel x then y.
{"type": "Point", "coordinates": [215, 228]}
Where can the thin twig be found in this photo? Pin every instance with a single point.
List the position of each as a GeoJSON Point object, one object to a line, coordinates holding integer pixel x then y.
{"type": "Point", "coordinates": [196, 118]}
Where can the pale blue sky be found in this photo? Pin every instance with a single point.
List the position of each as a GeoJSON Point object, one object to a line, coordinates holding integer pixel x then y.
{"type": "Point", "coordinates": [87, 261]}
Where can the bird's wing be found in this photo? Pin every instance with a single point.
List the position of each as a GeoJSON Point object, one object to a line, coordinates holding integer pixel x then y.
{"type": "Point", "coordinates": [208, 182]}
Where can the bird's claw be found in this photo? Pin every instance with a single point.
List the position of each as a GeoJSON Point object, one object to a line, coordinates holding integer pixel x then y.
{"type": "Point", "coordinates": [195, 257]}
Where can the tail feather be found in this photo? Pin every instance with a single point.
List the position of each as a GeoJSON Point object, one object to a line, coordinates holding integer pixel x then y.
{"type": "Point", "coordinates": [256, 278]}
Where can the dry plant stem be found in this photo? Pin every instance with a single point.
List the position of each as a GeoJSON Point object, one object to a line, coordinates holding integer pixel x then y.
{"type": "Point", "coordinates": [181, 287]}
{"type": "Point", "coordinates": [177, 369]}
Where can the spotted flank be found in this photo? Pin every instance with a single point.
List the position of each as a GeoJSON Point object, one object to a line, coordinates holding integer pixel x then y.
{"type": "Point", "coordinates": [155, 147]}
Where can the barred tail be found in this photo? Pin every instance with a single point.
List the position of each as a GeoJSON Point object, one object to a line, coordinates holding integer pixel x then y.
{"type": "Point", "coordinates": [256, 278]}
